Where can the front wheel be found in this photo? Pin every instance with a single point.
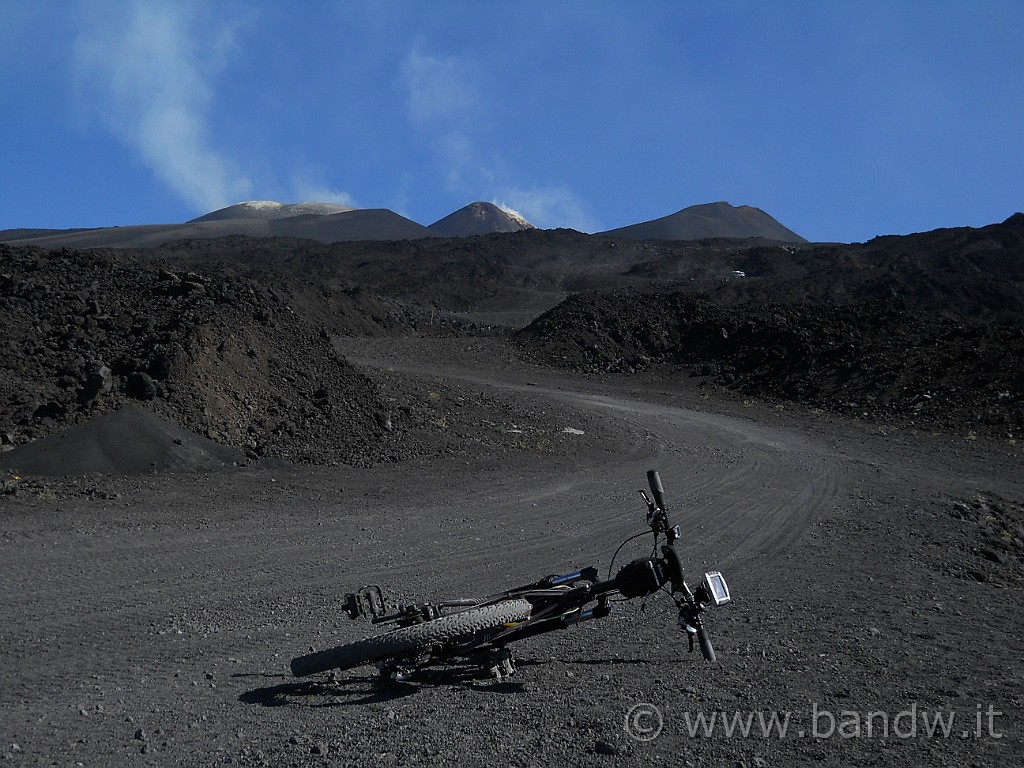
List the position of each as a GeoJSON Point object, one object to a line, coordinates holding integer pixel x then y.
{"type": "Point", "coordinates": [416, 637]}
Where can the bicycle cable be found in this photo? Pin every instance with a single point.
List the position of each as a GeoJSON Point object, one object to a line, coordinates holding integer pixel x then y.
{"type": "Point", "coordinates": [634, 536]}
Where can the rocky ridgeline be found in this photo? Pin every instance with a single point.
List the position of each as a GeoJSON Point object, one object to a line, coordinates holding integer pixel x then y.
{"type": "Point", "coordinates": [219, 355]}
{"type": "Point", "coordinates": [879, 358]}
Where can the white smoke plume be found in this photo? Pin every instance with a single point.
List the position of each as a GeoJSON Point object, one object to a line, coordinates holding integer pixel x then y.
{"type": "Point", "coordinates": [549, 206]}
{"type": "Point", "coordinates": [145, 71]}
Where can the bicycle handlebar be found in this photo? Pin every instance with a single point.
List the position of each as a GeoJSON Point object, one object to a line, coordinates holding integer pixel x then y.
{"type": "Point", "coordinates": [707, 650]}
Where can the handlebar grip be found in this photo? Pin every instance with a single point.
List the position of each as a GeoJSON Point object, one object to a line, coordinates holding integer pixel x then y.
{"type": "Point", "coordinates": [654, 480]}
{"type": "Point", "coordinates": [707, 650]}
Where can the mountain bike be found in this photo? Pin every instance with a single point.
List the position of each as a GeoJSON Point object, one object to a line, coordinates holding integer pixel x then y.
{"type": "Point", "coordinates": [481, 629]}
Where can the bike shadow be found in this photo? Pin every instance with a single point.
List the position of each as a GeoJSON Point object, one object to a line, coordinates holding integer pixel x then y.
{"type": "Point", "coordinates": [363, 689]}
{"type": "Point", "coordinates": [327, 693]}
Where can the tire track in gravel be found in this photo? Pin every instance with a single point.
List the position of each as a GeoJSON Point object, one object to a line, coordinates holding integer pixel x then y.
{"type": "Point", "coordinates": [741, 491]}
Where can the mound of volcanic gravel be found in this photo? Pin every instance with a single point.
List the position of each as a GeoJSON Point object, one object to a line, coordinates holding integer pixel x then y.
{"type": "Point", "coordinates": [128, 441]}
{"type": "Point", "coordinates": [878, 358]}
{"type": "Point", "coordinates": [87, 332]}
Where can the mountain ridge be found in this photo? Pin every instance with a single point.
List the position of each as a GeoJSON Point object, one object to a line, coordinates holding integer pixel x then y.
{"type": "Point", "coordinates": [333, 222]}
{"type": "Point", "coordinates": [709, 220]}
{"type": "Point", "coordinates": [480, 218]}
{"type": "Point", "coordinates": [271, 209]}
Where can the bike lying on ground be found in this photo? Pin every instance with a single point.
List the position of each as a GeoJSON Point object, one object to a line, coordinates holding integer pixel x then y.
{"type": "Point", "coordinates": [481, 629]}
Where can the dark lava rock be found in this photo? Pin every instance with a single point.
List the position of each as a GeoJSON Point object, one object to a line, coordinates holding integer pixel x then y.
{"type": "Point", "coordinates": [98, 383]}
{"type": "Point", "coordinates": [140, 386]}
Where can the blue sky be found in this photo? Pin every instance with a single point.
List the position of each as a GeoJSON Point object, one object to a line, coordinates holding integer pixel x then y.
{"type": "Point", "coordinates": [842, 119]}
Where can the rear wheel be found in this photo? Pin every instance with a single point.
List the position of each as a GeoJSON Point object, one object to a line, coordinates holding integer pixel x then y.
{"type": "Point", "coordinates": [416, 637]}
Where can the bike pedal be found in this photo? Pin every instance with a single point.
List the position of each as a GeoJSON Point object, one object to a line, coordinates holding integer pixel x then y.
{"type": "Point", "coordinates": [503, 665]}
{"type": "Point", "coordinates": [368, 602]}
{"type": "Point", "coordinates": [503, 670]}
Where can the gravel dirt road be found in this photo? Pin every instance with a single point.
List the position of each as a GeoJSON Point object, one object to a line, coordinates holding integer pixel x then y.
{"type": "Point", "coordinates": [151, 621]}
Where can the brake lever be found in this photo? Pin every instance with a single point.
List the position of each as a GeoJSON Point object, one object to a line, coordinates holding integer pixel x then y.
{"type": "Point", "coordinates": [652, 508]}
